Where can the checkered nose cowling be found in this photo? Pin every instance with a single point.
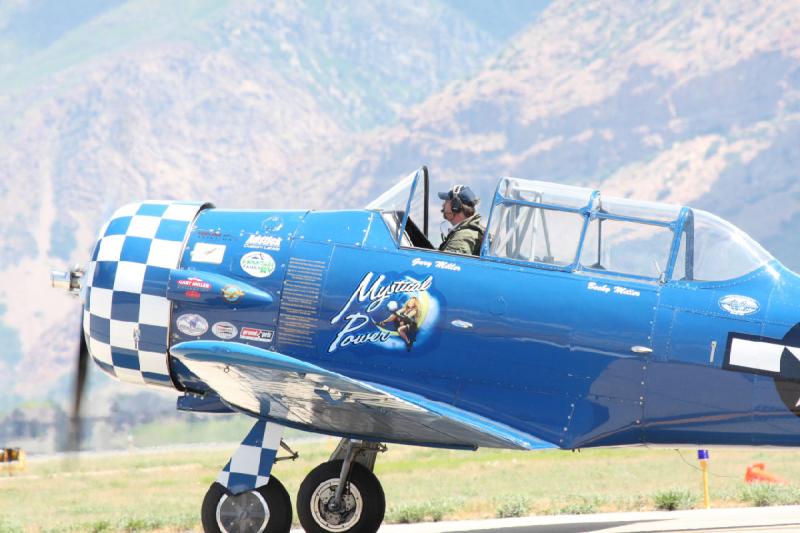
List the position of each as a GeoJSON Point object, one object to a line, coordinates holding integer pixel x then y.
{"type": "Point", "coordinates": [125, 309]}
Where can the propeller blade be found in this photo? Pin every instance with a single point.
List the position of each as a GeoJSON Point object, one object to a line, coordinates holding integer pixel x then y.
{"type": "Point", "coordinates": [74, 442]}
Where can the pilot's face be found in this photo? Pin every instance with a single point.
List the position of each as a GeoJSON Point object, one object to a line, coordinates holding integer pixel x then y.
{"type": "Point", "coordinates": [447, 211]}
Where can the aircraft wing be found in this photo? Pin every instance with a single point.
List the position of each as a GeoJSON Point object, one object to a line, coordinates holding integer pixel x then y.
{"type": "Point", "coordinates": [310, 397]}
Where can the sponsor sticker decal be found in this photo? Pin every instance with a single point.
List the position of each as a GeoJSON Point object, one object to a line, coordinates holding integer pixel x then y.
{"type": "Point", "coordinates": [232, 293]}
{"type": "Point", "coordinates": [266, 242]}
{"type": "Point", "coordinates": [214, 235]}
{"type": "Point", "coordinates": [257, 264]}
{"type": "Point", "coordinates": [192, 325]}
{"type": "Point", "coordinates": [193, 294]}
{"type": "Point", "coordinates": [204, 252]}
{"type": "Point", "coordinates": [738, 305]}
{"type": "Point", "coordinates": [258, 335]}
{"type": "Point", "coordinates": [194, 283]}
{"type": "Point", "coordinates": [271, 224]}
{"type": "Point", "coordinates": [210, 233]}
{"type": "Point", "coordinates": [224, 330]}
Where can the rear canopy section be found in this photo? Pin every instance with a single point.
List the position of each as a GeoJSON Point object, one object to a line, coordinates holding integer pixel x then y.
{"type": "Point", "coordinates": [577, 229]}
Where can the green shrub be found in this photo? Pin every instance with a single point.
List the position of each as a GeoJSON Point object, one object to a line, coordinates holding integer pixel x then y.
{"type": "Point", "coordinates": [516, 506]}
{"type": "Point", "coordinates": [584, 507]}
{"type": "Point", "coordinates": [766, 494]}
{"type": "Point", "coordinates": [436, 514]}
{"type": "Point", "coordinates": [432, 511]}
{"type": "Point", "coordinates": [671, 500]}
{"type": "Point", "coordinates": [100, 526]}
{"type": "Point", "coordinates": [406, 514]}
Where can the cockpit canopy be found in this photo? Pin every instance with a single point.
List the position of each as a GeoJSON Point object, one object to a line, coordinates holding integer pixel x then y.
{"type": "Point", "coordinates": [404, 208]}
{"type": "Point", "coordinates": [561, 227]}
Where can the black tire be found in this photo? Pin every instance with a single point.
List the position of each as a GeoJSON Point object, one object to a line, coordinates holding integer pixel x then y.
{"type": "Point", "coordinates": [274, 494]}
{"type": "Point", "coordinates": [363, 486]}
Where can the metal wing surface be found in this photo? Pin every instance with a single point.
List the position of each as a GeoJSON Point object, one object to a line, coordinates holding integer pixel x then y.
{"type": "Point", "coordinates": [304, 395]}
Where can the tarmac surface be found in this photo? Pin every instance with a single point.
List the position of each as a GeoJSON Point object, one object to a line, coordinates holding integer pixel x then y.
{"type": "Point", "coordinates": [727, 520]}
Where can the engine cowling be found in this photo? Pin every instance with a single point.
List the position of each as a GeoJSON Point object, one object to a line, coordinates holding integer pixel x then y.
{"type": "Point", "coordinates": [126, 313]}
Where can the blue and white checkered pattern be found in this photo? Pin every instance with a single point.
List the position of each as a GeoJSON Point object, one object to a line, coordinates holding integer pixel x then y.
{"type": "Point", "coordinates": [125, 310]}
{"type": "Point", "coordinates": [250, 466]}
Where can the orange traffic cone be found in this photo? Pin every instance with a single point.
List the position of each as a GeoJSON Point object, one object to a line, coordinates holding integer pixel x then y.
{"type": "Point", "coordinates": [756, 473]}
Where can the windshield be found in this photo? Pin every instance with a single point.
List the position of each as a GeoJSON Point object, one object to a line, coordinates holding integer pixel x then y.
{"type": "Point", "coordinates": [396, 198]}
{"type": "Point", "coordinates": [404, 208]}
{"type": "Point", "coordinates": [713, 249]}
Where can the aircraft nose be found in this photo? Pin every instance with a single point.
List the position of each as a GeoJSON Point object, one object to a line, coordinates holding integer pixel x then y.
{"type": "Point", "coordinates": [126, 309]}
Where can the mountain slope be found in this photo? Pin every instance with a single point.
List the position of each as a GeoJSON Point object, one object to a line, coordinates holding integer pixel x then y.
{"type": "Point", "coordinates": [661, 101]}
{"type": "Point", "coordinates": [295, 105]}
{"type": "Point", "coordinates": [247, 104]}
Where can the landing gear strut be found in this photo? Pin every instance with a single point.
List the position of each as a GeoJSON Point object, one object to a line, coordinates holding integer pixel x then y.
{"type": "Point", "coordinates": [245, 496]}
{"type": "Point", "coordinates": [343, 495]}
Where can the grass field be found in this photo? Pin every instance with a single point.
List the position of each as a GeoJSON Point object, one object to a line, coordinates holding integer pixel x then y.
{"type": "Point", "coordinates": [162, 491]}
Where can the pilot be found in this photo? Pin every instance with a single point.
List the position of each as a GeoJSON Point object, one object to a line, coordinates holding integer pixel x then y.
{"type": "Point", "coordinates": [467, 231]}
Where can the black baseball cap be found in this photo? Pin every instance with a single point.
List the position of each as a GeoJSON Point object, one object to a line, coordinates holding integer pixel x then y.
{"type": "Point", "coordinates": [463, 192]}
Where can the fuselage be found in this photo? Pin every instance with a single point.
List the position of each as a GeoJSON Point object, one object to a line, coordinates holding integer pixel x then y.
{"type": "Point", "coordinates": [576, 359]}
{"type": "Point", "coordinates": [583, 322]}
{"type": "Point", "coordinates": [544, 336]}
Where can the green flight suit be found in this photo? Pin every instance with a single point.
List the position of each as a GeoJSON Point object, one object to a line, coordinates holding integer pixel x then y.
{"type": "Point", "coordinates": [465, 238]}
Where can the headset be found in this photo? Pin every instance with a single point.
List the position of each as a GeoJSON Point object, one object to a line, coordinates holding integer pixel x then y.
{"type": "Point", "coordinates": [456, 206]}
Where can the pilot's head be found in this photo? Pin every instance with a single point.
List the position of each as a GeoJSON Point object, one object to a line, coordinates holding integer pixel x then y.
{"type": "Point", "coordinates": [459, 203]}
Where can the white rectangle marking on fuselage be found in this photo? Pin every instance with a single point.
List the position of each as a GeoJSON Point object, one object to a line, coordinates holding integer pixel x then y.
{"type": "Point", "coordinates": [756, 355]}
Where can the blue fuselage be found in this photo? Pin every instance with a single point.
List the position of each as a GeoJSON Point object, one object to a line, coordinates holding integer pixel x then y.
{"type": "Point", "coordinates": [578, 359]}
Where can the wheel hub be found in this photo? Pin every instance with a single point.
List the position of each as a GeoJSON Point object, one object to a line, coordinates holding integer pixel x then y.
{"type": "Point", "coordinates": [244, 512]}
{"type": "Point", "coordinates": [332, 515]}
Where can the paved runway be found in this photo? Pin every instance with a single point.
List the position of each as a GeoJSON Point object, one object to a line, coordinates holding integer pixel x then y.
{"type": "Point", "coordinates": [772, 519]}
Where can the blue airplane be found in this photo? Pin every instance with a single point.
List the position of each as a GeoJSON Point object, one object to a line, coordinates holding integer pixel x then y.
{"type": "Point", "coordinates": [585, 321]}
